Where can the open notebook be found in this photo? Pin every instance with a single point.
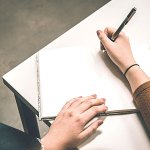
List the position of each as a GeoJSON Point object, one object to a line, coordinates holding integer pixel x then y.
{"type": "Point", "coordinates": [65, 73]}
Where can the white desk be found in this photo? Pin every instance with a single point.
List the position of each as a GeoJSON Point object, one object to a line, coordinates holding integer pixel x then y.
{"type": "Point", "coordinates": [22, 79]}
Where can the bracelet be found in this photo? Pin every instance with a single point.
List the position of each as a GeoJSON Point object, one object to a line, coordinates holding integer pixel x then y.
{"type": "Point", "coordinates": [129, 68]}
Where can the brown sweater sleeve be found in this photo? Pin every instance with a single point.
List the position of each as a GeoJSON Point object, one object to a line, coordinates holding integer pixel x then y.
{"type": "Point", "coordinates": [141, 97]}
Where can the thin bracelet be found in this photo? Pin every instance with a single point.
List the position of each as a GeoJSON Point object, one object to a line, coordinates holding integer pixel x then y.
{"type": "Point", "coordinates": [129, 68]}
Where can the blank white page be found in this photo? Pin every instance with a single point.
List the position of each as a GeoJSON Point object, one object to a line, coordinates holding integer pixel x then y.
{"type": "Point", "coordinates": [70, 72]}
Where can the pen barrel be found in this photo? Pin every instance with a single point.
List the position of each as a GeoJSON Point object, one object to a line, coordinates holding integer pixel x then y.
{"type": "Point", "coordinates": [118, 112]}
{"type": "Point", "coordinates": [132, 12]}
{"type": "Point", "coordinates": [116, 34]}
{"type": "Point", "coordinates": [126, 20]}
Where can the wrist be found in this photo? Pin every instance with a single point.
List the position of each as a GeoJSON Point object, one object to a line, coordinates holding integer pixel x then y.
{"type": "Point", "coordinates": [136, 77]}
{"type": "Point", "coordinates": [124, 67]}
{"type": "Point", "coordinates": [51, 144]}
{"type": "Point", "coordinates": [130, 67]}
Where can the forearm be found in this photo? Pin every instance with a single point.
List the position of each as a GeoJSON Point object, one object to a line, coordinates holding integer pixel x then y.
{"type": "Point", "coordinates": [141, 98]}
{"type": "Point", "coordinates": [140, 85]}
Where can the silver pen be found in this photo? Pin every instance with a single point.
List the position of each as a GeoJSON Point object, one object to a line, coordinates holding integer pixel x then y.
{"type": "Point", "coordinates": [107, 113]}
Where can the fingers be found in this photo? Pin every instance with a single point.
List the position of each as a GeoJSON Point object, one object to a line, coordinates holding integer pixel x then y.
{"type": "Point", "coordinates": [69, 103]}
{"type": "Point", "coordinates": [81, 100]}
{"type": "Point", "coordinates": [107, 43]}
{"type": "Point", "coordinates": [92, 112]}
{"type": "Point", "coordinates": [109, 31]}
{"type": "Point", "coordinates": [75, 102]}
{"type": "Point", "coordinates": [85, 105]}
{"type": "Point", "coordinates": [88, 115]}
{"type": "Point", "coordinates": [90, 130]}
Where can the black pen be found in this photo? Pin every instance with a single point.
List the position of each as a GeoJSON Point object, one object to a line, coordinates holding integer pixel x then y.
{"type": "Point", "coordinates": [126, 20]}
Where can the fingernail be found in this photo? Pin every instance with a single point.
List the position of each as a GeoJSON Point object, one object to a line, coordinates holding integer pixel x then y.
{"type": "Point", "coordinates": [99, 32]}
{"type": "Point", "coordinates": [79, 97]}
{"type": "Point", "coordinates": [106, 107]}
{"type": "Point", "coordinates": [103, 100]}
{"type": "Point", "coordinates": [100, 122]}
{"type": "Point", "coordinates": [94, 95]}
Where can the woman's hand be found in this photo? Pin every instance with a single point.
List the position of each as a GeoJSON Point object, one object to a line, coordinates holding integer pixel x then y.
{"type": "Point", "coordinates": [68, 130]}
{"type": "Point", "coordinates": [119, 51]}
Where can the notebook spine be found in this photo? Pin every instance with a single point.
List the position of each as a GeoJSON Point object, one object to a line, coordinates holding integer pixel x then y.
{"type": "Point", "coordinates": [38, 85]}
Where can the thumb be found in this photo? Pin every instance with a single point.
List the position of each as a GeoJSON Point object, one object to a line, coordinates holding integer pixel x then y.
{"type": "Point", "coordinates": [107, 43]}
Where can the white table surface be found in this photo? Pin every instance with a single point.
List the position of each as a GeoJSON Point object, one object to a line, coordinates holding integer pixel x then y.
{"type": "Point", "coordinates": [22, 78]}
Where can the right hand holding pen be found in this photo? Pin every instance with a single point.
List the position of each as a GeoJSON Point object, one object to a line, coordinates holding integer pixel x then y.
{"type": "Point", "coordinates": [119, 51]}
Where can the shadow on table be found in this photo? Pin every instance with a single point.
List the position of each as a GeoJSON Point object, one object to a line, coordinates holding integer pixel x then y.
{"type": "Point", "coordinates": [113, 68]}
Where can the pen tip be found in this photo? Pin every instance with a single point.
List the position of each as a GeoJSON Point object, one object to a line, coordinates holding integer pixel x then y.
{"type": "Point", "coordinates": [135, 8]}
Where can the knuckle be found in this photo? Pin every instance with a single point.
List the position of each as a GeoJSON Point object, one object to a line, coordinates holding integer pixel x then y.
{"type": "Point", "coordinates": [78, 120]}
{"type": "Point", "coordinates": [107, 29]}
{"type": "Point", "coordinates": [67, 102]}
{"type": "Point", "coordinates": [74, 99]}
{"type": "Point", "coordinates": [77, 100]}
{"type": "Point", "coordinates": [80, 138]}
{"type": "Point", "coordinates": [101, 37]}
{"type": "Point", "coordinates": [70, 113]}
{"type": "Point", "coordinates": [89, 103]}
{"type": "Point", "coordinates": [93, 129]}
{"type": "Point", "coordinates": [95, 109]}
{"type": "Point", "coordinates": [70, 101]}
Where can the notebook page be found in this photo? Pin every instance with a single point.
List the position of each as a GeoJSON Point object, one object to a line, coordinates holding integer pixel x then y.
{"type": "Point", "coordinates": [70, 72]}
